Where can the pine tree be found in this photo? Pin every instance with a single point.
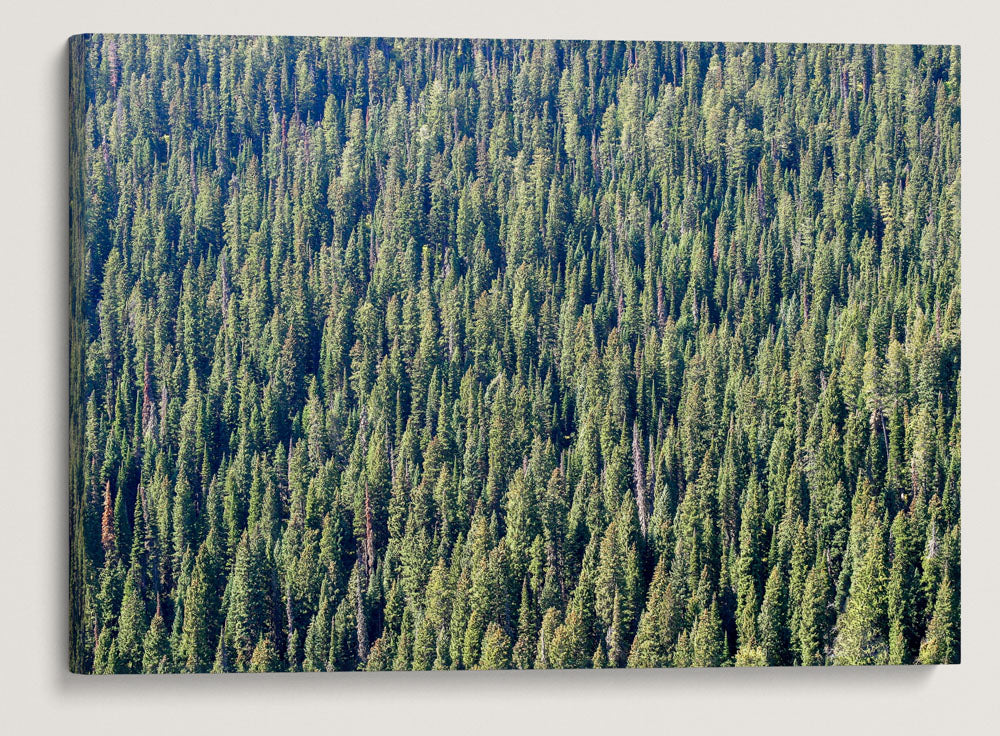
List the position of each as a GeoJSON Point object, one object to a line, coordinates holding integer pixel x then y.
{"type": "Point", "coordinates": [708, 641]}
{"type": "Point", "coordinates": [862, 630]}
{"type": "Point", "coordinates": [496, 649]}
{"type": "Point", "coordinates": [156, 646]}
{"type": "Point", "coordinates": [132, 626]}
{"type": "Point", "coordinates": [941, 644]}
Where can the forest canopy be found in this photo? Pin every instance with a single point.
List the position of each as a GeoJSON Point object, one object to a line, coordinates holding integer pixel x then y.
{"type": "Point", "coordinates": [472, 354]}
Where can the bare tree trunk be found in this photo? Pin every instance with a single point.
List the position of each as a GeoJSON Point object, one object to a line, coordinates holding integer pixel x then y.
{"type": "Point", "coordinates": [638, 468]}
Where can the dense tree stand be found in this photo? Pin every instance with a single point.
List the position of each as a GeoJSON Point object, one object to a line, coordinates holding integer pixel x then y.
{"type": "Point", "coordinates": [453, 354]}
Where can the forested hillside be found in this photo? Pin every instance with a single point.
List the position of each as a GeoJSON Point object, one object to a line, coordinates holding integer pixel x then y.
{"type": "Point", "coordinates": [437, 354]}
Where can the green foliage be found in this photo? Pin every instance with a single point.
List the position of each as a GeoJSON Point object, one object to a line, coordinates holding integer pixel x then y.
{"type": "Point", "coordinates": [454, 354]}
{"type": "Point", "coordinates": [941, 645]}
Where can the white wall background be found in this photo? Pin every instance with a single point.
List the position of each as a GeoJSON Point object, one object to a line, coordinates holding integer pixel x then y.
{"type": "Point", "coordinates": [38, 695]}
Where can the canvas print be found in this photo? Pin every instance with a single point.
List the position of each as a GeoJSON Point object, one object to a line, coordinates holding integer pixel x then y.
{"type": "Point", "coordinates": [454, 354]}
